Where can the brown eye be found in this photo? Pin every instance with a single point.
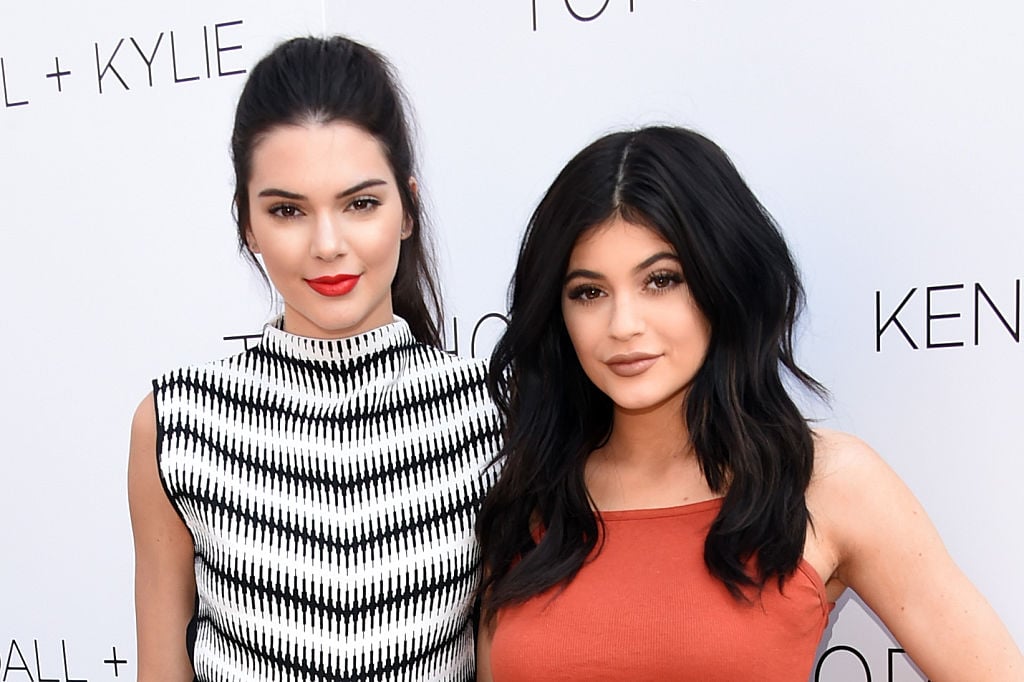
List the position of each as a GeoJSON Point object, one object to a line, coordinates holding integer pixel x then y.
{"type": "Point", "coordinates": [285, 210]}
{"type": "Point", "coordinates": [584, 292]}
{"type": "Point", "coordinates": [363, 204]}
{"type": "Point", "coordinates": [663, 280]}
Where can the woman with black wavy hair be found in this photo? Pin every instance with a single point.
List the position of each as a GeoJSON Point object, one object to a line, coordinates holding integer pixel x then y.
{"type": "Point", "coordinates": [665, 511]}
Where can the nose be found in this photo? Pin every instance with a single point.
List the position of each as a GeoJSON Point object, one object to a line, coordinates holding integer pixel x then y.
{"type": "Point", "coordinates": [327, 241]}
{"type": "Point", "coordinates": [627, 318]}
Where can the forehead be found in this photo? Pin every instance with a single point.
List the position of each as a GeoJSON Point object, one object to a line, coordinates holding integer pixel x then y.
{"type": "Point", "coordinates": [334, 153]}
{"type": "Point", "coordinates": [618, 241]}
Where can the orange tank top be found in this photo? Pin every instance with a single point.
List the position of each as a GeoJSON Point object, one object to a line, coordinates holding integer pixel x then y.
{"type": "Point", "coordinates": [646, 608]}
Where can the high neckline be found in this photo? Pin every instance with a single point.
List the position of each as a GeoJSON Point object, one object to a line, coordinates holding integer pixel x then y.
{"type": "Point", "coordinates": [344, 351]}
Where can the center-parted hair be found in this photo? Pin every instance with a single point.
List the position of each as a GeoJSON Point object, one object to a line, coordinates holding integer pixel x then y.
{"type": "Point", "coordinates": [750, 439]}
{"type": "Point", "coordinates": [307, 81]}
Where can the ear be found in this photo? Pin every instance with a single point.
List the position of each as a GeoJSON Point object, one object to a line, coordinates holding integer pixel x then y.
{"type": "Point", "coordinates": [414, 188]}
{"type": "Point", "coordinates": [250, 241]}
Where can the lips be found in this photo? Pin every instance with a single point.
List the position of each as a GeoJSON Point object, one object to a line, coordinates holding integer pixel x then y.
{"type": "Point", "coordinates": [631, 364]}
{"type": "Point", "coordinates": [333, 285]}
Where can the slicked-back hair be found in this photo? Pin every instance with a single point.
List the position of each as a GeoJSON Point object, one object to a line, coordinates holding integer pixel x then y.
{"type": "Point", "coordinates": [752, 443]}
{"type": "Point", "coordinates": [306, 81]}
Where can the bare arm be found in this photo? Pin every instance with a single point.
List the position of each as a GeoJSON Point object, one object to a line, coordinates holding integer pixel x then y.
{"type": "Point", "coordinates": [890, 554]}
{"type": "Point", "coordinates": [164, 573]}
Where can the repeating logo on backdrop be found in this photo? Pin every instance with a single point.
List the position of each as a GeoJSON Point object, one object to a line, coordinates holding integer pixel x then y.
{"type": "Point", "coordinates": [842, 663]}
{"type": "Point", "coordinates": [580, 10]}
{"type": "Point", "coordinates": [125, 63]}
{"type": "Point", "coordinates": [36, 661]}
{"type": "Point", "coordinates": [947, 316]}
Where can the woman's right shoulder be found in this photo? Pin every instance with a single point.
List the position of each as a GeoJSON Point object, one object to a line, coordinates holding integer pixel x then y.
{"type": "Point", "coordinates": [149, 499]}
{"type": "Point", "coordinates": [143, 472]}
{"type": "Point", "coordinates": [202, 371]}
{"type": "Point", "coordinates": [144, 419]}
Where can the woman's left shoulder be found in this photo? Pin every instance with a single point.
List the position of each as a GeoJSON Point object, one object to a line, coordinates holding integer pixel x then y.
{"type": "Point", "coordinates": [870, 533]}
{"type": "Point", "coordinates": [427, 360]}
{"type": "Point", "coordinates": [461, 381]}
{"type": "Point", "coordinates": [437, 357]}
{"type": "Point", "coordinates": [845, 463]}
{"type": "Point", "coordinates": [857, 501]}
{"type": "Point", "coordinates": [852, 488]}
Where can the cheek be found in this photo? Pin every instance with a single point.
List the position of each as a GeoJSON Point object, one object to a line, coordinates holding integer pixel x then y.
{"type": "Point", "coordinates": [380, 251]}
{"type": "Point", "coordinates": [571, 320]}
{"type": "Point", "coordinates": [694, 333]}
{"type": "Point", "coordinates": [279, 249]}
{"type": "Point", "coordinates": [584, 329]}
{"type": "Point", "coordinates": [379, 244]}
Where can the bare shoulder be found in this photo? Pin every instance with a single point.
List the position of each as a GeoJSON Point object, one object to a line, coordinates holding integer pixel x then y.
{"type": "Point", "coordinates": [838, 450]}
{"type": "Point", "coordinates": [161, 537]}
{"type": "Point", "coordinates": [147, 499]}
{"type": "Point", "coordinates": [852, 495]}
{"type": "Point", "coordinates": [142, 446]}
{"type": "Point", "coordinates": [164, 553]}
{"type": "Point", "coordinates": [862, 509]}
{"type": "Point", "coordinates": [870, 533]}
{"type": "Point", "coordinates": [851, 481]}
{"type": "Point", "coordinates": [144, 421]}
{"type": "Point", "coordinates": [846, 468]}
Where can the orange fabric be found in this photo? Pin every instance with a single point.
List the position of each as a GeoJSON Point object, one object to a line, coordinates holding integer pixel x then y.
{"type": "Point", "coordinates": [646, 608]}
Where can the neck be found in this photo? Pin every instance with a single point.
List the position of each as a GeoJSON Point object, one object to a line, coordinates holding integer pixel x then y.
{"type": "Point", "coordinates": [649, 436]}
{"type": "Point", "coordinates": [648, 462]}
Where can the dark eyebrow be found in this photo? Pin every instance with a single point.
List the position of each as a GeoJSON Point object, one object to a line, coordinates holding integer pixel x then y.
{"type": "Point", "coordinates": [585, 274]}
{"type": "Point", "coordinates": [365, 184]}
{"type": "Point", "coordinates": [285, 194]}
{"type": "Point", "coordinates": [647, 262]}
{"type": "Point", "coordinates": [661, 255]}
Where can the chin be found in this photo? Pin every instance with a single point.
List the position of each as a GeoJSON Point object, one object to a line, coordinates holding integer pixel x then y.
{"type": "Point", "coordinates": [636, 404]}
{"type": "Point", "coordinates": [347, 327]}
{"type": "Point", "coordinates": [646, 402]}
{"type": "Point", "coordinates": [322, 324]}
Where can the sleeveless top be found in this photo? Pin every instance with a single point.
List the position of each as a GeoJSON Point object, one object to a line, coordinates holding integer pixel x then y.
{"type": "Point", "coordinates": [331, 488]}
{"type": "Point", "coordinates": [645, 608]}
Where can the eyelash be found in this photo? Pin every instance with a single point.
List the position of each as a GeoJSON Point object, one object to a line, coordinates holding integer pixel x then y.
{"type": "Point", "coordinates": [584, 293]}
{"type": "Point", "coordinates": [278, 209]}
{"type": "Point", "coordinates": [359, 205]}
{"type": "Point", "coordinates": [588, 293]}
{"type": "Point", "coordinates": [368, 203]}
{"type": "Point", "coordinates": [670, 277]}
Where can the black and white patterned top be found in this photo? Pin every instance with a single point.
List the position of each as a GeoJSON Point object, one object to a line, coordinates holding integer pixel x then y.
{"type": "Point", "coordinates": [331, 487]}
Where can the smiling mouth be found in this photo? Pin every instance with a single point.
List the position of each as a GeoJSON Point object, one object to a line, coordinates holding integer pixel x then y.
{"type": "Point", "coordinates": [333, 285]}
{"type": "Point", "coordinates": [631, 365]}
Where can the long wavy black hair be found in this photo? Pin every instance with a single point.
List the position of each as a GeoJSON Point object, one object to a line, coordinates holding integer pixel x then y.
{"type": "Point", "coordinates": [752, 443]}
{"type": "Point", "coordinates": [321, 80]}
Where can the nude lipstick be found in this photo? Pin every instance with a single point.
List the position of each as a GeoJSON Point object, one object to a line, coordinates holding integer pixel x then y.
{"type": "Point", "coordinates": [631, 364]}
{"type": "Point", "coordinates": [333, 285]}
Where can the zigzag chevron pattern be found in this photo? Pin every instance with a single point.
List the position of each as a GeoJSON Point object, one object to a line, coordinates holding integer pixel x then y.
{"type": "Point", "coordinates": [331, 489]}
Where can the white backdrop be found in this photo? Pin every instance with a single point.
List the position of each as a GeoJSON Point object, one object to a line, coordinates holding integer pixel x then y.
{"type": "Point", "coordinates": [884, 137]}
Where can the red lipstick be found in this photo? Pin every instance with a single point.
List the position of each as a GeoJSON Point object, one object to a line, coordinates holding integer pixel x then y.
{"type": "Point", "coordinates": [631, 364]}
{"type": "Point", "coordinates": [333, 285]}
